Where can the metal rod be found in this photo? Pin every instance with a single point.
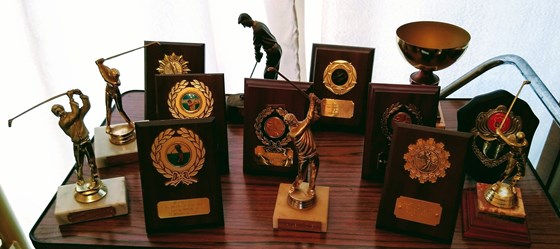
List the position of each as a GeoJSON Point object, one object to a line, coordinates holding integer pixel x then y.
{"type": "Point", "coordinates": [272, 69]}
{"type": "Point", "coordinates": [255, 66]}
{"type": "Point", "coordinates": [151, 43]}
{"type": "Point", "coordinates": [47, 100]}
{"type": "Point", "coordinates": [537, 85]}
{"type": "Point", "coordinates": [512, 103]}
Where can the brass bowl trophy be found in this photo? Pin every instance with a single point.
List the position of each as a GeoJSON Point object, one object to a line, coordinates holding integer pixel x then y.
{"type": "Point", "coordinates": [92, 198]}
{"type": "Point", "coordinates": [115, 143]}
{"type": "Point", "coordinates": [430, 46]}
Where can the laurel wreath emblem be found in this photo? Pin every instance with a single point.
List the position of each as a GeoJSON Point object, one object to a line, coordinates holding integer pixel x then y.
{"type": "Point", "coordinates": [176, 92]}
{"type": "Point", "coordinates": [176, 177]}
{"type": "Point", "coordinates": [271, 144]}
{"type": "Point", "coordinates": [385, 122]}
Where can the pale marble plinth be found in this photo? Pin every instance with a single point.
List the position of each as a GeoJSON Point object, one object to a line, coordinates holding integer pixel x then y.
{"type": "Point", "coordinates": [314, 219]}
{"type": "Point", "coordinates": [108, 154]}
{"type": "Point", "coordinates": [67, 210]}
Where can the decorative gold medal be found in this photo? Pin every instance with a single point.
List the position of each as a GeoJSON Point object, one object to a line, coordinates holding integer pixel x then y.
{"type": "Point", "coordinates": [190, 100]}
{"type": "Point", "coordinates": [398, 112]}
{"type": "Point", "coordinates": [339, 77]}
{"type": "Point", "coordinates": [272, 131]}
{"type": "Point", "coordinates": [426, 160]}
{"type": "Point", "coordinates": [490, 150]}
{"type": "Point", "coordinates": [178, 155]}
{"type": "Point", "coordinates": [173, 64]}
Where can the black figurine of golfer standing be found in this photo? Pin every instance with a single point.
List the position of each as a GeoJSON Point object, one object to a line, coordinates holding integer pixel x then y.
{"type": "Point", "coordinates": [263, 38]}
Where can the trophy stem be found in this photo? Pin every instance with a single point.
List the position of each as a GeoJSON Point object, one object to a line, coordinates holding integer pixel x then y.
{"type": "Point", "coordinates": [423, 77]}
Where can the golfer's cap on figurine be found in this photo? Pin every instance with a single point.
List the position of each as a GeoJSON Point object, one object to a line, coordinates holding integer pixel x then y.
{"type": "Point", "coordinates": [242, 17]}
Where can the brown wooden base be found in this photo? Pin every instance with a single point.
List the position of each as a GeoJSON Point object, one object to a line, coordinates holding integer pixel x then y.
{"type": "Point", "coordinates": [477, 225]}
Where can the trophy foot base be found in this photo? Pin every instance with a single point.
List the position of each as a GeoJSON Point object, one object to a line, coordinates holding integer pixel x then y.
{"type": "Point", "coordinates": [516, 212]}
{"type": "Point", "coordinates": [483, 226]}
{"type": "Point", "coordinates": [109, 154]}
{"type": "Point", "coordinates": [300, 198]}
{"type": "Point", "coordinates": [87, 194]}
{"type": "Point", "coordinates": [68, 210]}
{"type": "Point", "coordinates": [501, 195]}
{"type": "Point", "coordinates": [313, 219]}
{"type": "Point", "coordinates": [424, 78]}
{"type": "Point", "coordinates": [120, 134]}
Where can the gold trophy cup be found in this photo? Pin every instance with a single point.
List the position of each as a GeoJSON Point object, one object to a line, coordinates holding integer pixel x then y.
{"type": "Point", "coordinates": [430, 46]}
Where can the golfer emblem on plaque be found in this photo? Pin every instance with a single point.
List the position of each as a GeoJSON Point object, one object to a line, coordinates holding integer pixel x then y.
{"type": "Point", "coordinates": [190, 100]}
{"type": "Point", "coordinates": [173, 64]}
{"type": "Point", "coordinates": [426, 160]}
{"type": "Point", "coordinates": [272, 131]}
{"type": "Point", "coordinates": [178, 155]}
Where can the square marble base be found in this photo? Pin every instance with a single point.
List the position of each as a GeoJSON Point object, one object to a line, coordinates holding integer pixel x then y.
{"type": "Point", "coordinates": [67, 210]}
{"type": "Point", "coordinates": [108, 154]}
{"type": "Point", "coordinates": [314, 219]}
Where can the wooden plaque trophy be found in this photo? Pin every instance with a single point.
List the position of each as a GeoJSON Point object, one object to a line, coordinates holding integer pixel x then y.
{"type": "Point", "coordinates": [115, 143]}
{"type": "Point", "coordinates": [494, 209]}
{"type": "Point", "coordinates": [340, 76]}
{"type": "Point", "coordinates": [168, 58]}
{"type": "Point", "coordinates": [192, 96]}
{"type": "Point", "coordinates": [90, 198]}
{"type": "Point", "coordinates": [181, 185]}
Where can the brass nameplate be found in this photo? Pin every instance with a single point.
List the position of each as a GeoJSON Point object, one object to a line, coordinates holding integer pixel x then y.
{"type": "Point", "coordinates": [91, 214]}
{"type": "Point", "coordinates": [182, 208]}
{"type": "Point", "coordinates": [425, 212]}
{"type": "Point", "coordinates": [299, 225]}
{"type": "Point", "coordinates": [337, 108]}
{"type": "Point", "coordinates": [283, 158]}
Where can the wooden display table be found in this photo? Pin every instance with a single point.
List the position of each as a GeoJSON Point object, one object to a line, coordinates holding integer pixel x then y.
{"type": "Point", "coordinates": [249, 205]}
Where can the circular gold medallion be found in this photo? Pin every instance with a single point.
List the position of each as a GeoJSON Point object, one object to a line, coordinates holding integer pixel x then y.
{"type": "Point", "coordinates": [270, 127]}
{"type": "Point", "coordinates": [190, 100]}
{"type": "Point", "coordinates": [339, 77]}
{"type": "Point", "coordinates": [426, 160]}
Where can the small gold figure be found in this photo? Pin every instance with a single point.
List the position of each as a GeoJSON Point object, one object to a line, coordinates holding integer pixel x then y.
{"type": "Point", "coordinates": [308, 158]}
{"type": "Point", "coordinates": [112, 92]}
{"type": "Point", "coordinates": [72, 123]}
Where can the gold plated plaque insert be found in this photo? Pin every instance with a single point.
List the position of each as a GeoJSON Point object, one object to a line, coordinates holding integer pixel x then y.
{"type": "Point", "coordinates": [337, 108]}
{"type": "Point", "coordinates": [190, 100]}
{"type": "Point", "coordinates": [425, 212]}
{"type": "Point", "coordinates": [182, 208]}
{"type": "Point", "coordinates": [340, 77]}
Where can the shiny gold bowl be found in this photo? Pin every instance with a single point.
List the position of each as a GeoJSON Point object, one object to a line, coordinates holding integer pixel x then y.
{"type": "Point", "coordinates": [430, 46]}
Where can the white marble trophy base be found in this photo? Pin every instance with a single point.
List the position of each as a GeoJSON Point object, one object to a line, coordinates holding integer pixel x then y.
{"type": "Point", "coordinates": [313, 219]}
{"type": "Point", "coordinates": [67, 210]}
{"type": "Point", "coordinates": [109, 154]}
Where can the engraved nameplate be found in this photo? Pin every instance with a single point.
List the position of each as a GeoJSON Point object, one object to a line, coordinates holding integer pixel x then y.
{"type": "Point", "coordinates": [182, 208]}
{"type": "Point", "coordinates": [337, 108]}
{"type": "Point", "coordinates": [299, 225]}
{"type": "Point", "coordinates": [425, 212]}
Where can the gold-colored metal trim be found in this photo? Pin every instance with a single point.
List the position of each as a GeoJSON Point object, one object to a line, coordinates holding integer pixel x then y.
{"type": "Point", "coordinates": [190, 100]}
{"type": "Point", "coordinates": [426, 160]}
{"type": "Point", "coordinates": [173, 64]}
{"type": "Point", "coordinates": [332, 70]}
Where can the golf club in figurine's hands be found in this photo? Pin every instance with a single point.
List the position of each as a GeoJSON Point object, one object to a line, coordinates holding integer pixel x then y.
{"type": "Point", "coordinates": [120, 133]}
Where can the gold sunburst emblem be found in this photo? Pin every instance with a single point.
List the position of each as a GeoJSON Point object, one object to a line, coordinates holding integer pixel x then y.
{"type": "Point", "coordinates": [173, 64]}
{"type": "Point", "coordinates": [190, 100]}
{"type": "Point", "coordinates": [178, 155]}
{"type": "Point", "coordinates": [426, 160]}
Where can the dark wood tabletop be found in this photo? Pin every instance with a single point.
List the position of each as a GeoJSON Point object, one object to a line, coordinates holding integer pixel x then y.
{"type": "Point", "coordinates": [249, 205]}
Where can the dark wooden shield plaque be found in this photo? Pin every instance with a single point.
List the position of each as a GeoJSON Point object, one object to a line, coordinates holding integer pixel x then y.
{"type": "Point", "coordinates": [340, 75]}
{"type": "Point", "coordinates": [388, 104]}
{"type": "Point", "coordinates": [423, 182]}
{"type": "Point", "coordinates": [181, 185]}
{"type": "Point", "coordinates": [189, 96]}
{"type": "Point", "coordinates": [266, 149]}
{"type": "Point", "coordinates": [169, 58]}
{"type": "Point", "coordinates": [486, 108]}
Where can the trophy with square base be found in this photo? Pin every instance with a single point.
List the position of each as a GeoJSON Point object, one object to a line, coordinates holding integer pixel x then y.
{"type": "Point", "coordinates": [92, 198]}
{"type": "Point", "coordinates": [496, 211]}
{"type": "Point", "coordinates": [115, 143]}
{"type": "Point", "coordinates": [302, 205]}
